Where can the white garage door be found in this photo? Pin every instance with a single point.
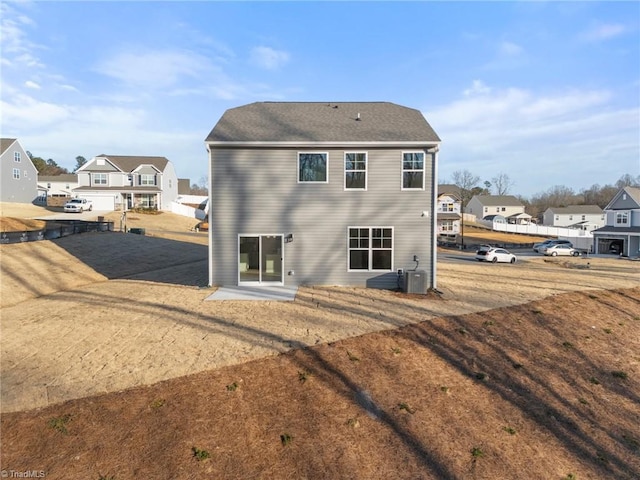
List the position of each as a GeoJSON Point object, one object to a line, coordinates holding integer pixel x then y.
{"type": "Point", "coordinates": [101, 202]}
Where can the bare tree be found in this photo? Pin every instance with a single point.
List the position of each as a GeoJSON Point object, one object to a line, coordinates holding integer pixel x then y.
{"type": "Point", "coordinates": [466, 182]}
{"type": "Point", "coordinates": [628, 180]}
{"type": "Point", "coordinates": [502, 184]}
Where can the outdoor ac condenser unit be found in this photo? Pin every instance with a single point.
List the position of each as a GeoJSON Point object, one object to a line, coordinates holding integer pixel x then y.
{"type": "Point", "coordinates": [415, 281]}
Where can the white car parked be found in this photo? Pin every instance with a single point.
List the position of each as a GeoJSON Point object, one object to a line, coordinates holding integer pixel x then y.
{"type": "Point", "coordinates": [78, 205]}
{"type": "Point", "coordinates": [495, 255]}
{"type": "Point", "coordinates": [561, 249]}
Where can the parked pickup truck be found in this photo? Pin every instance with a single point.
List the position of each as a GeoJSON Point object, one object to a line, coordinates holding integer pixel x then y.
{"type": "Point", "coordinates": [78, 205]}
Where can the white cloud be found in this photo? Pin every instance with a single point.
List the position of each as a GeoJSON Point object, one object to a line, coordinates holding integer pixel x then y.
{"type": "Point", "coordinates": [154, 69]}
{"type": "Point", "coordinates": [269, 58]}
{"type": "Point", "coordinates": [510, 49]}
{"type": "Point", "coordinates": [568, 137]}
{"type": "Point", "coordinates": [23, 111]}
{"type": "Point", "coordinates": [31, 84]}
{"type": "Point", "coordinates": [477, 88]}
{"type": "Point", "coordinates": [603, 32]}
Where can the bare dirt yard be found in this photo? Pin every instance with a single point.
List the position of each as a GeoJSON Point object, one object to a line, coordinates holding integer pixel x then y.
{"type": "Point", "coordinates": [115, 366]}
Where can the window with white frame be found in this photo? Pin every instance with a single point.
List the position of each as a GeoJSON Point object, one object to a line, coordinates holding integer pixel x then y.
{"type": "Point", "coordinates": [147, 179]}
{"type": "Point", "coordinates": [16, 173]}
{"type": "Point", "coordinates": [413, 171]}
{"type": "Point", "coordinates": [446, 226]}
{"type": "Point", "coordinates": [370, 248]}
{"type": "Point", "coordinates": [147, 201]}
{"type": "Point", "coordinates": [17, 157]}
{"type": "Point", "coordinates": [99, 178]}
{"type": "Point", "coordinates": [313, 167]}
{"type": "Point", "coordinates": [622, 218]}
{"type": "Point", "coordinates": [447, 207]}
{"type": "Point", "coordinates": [355, 171]}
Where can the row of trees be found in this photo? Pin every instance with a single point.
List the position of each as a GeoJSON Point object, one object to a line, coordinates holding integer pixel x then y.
{"type": "Point", "coordinates": [51, 168]}
{"type": "Point", "coordinates": [556, 196]}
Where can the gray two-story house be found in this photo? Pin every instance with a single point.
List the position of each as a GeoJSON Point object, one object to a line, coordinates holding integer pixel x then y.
{"type": "Point", "coordinates": [621, 234]}
{"type": "Point", "coordinates": [18, 175]}
{"type": "Point", "coordinates": [121, 182]}
{"type": "Point", "coordinates": [313, 193]}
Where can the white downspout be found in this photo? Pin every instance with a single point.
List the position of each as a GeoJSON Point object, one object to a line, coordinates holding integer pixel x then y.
{"type": "Point", "coordinates": [208, 216]}
{"type": "Point", "coordinates": [434, 221]}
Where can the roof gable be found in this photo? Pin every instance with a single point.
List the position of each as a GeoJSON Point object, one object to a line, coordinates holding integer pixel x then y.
{"type": "Point", "coordinates": [627, 198]}
{"type": "Point", "coordinates": [322, 122]}
{"type": "Point", "coordinates": [128, 164]}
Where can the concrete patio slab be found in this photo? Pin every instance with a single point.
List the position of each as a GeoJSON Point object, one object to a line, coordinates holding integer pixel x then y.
{"type": "Point", "coordinates": [277, 293]}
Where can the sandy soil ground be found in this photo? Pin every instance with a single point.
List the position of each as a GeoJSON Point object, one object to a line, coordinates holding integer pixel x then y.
{"type": "Point", "coordinates": [100, 312]}
{"type": "Point", "coordinates": [475, 382]}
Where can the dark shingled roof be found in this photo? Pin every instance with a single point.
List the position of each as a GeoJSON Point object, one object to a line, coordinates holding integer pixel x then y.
{"type": "Point", "coordinates": [129, 164]}
{"type": "Point", "coordinates": [499, 201]}
{"type": "Point", "coordinates": [576, 209]}
{"type": "Point", "coordinates": [322, 122]}
{"type": "Point", "coordinates": [5, 143]}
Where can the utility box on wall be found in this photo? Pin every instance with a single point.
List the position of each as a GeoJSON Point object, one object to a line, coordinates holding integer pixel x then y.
{"type": "Point", "coordinates": [415, 281]}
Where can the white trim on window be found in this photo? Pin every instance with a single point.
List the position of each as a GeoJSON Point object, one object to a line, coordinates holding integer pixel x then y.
{"type": "Point", "coordinates": [17, 157]}
{"type": "Point", "coordinates": [147, 179]}
{"type": "Point", "coordinates": [622, 218]}
{"type": "Point", "coordinates": [16, 174]}
{"type": "Point", "coordinates": [311, 168]}
{"type": "Point", "coordinates": [359, 165]}
{"type": "Point", "coordinates": [411, 161]}
{"type": "Point", "coordinates": [99, 178]}
{"type": "Point", "coordinates": [372, 240]}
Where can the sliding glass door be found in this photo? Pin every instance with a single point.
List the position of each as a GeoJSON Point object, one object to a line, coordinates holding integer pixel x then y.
{"type": "Point", "coordinates": [260, 259]}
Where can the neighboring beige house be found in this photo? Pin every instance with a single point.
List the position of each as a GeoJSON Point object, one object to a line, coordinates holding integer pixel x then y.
{"type": "Point", "coordinates": [500, 208]}
{"type": "Point", "coordinates": [322, 193]}
{"type": "Point", "coordinates": [18, 175]}
{"type": "Point", "coordinates": [449, 211]}
{"type": "Point", "coordinates": [117, 182]}
{"type": "Point", "coordinates": [621, 234]}
{"type": "Point", "coordinates": [583, 217]}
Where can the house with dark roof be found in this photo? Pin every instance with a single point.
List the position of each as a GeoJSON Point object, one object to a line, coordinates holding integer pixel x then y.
{"type": "Point", "coordinates": [449, 213]}
{"type": "Point", "coordinates": [18, 174]}
{"type": "Point", "coordinates": [621, 234]}
{"type": "Point", "coordinates": [322, 193]}
{"type": "Point", "coordinates": [501, 208]}
{"type": "Point", "coordinates": [582, 217]}
{"type": "Point", "coordinates": [117, 182]}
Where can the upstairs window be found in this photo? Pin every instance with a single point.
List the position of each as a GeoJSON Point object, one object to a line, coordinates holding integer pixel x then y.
{"type": "Point", "coordinates": [413, 171]}
{"type": "Point", "coordinates": [447, 207]}
{"type": "Point", "coordinates": [370, 248]}
{"type": "Point", "coordinates": [622, 218]}
{"type": "Point", "coordinates": [99, 178]}
{"type": "Point", "coordinates": [147, 179]}
{"type": "Point", "coordinates": [16, 173]}
{"type": "Point", "coordinates": [17, 157]}
{"type": "Point", "coordinates": [313, 168]}
{"type": "Point", "coordinates": [355, 171]}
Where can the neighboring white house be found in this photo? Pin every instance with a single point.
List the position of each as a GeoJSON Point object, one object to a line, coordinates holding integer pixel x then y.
{"type": "Point", "coordinates": [449, 211]}
{"type": "Point", "coordinates": [116, 182]}
{"type": "Point", "coordinates": [18, 175]}
{"type": "Point", "coordinates": [507, 206]}
{"type": "Point", "coordinates": [57, 185]}
{"type": "Point", "coordinates": [583, 217]}
{"type": "Point", "coordinates": [621, 234]}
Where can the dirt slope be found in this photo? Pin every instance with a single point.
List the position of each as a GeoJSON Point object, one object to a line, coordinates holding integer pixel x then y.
{"type": "Point", "coordinates": [548, 389]}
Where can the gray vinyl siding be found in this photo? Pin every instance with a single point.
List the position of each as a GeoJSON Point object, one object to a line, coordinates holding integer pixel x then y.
{"type": "Point", "coordinates": [257, 192]}
{"type": "Point", "coordinates": [24, 189]}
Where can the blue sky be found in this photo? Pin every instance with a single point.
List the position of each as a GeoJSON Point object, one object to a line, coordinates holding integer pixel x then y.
{"type": "Point", "coordinates": [545, 92]}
